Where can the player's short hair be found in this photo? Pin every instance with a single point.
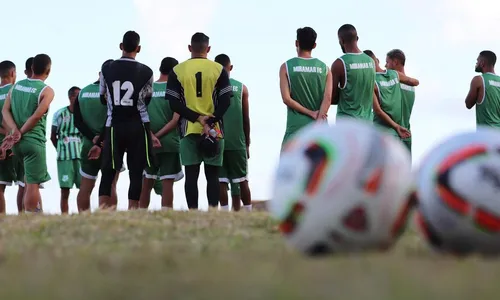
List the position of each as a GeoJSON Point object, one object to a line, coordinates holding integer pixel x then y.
{"type": "Point", "coordinates": [223, 59]}
{"type": "Point", "coordinates": [41, 64]}
{"type": "Point", "coordinates": [5, 67]}
{"type": "Point", "coordinates": [199, 42]}
{"type": "Point", "coordinates": [489, 57]}
{"type": "Point", "coordinates": [370, 54]}
{"type": "Point", "coordinates": [29, 64]}
{"type": "Point", "coordinates": [167, 65]}
{"type": "Point", "coordinates": [131, 41]}
{"type": "Point", "coordinates": [348, 33]}
{"type": "Point", "coordinates": [397, 54]}
{"type": "Point", "coordinates": [306, 37]}
{"type": "Point", "coordinates": [72, 90]}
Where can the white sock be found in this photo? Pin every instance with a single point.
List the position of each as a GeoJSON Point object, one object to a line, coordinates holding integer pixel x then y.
{"type": "Point", "coordinates": [224, 208]}
{"type": "Point", "coordinates": [247, 207]}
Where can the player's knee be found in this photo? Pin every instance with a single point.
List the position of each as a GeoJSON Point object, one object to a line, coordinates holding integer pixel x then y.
{"type": "Point", "coordinates": [106, 182]}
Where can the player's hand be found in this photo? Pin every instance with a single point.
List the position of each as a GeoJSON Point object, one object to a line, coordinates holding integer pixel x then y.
{"type": "Point", "coordinates": [314, 114]}
{"type": "Point", "coordinates": [248, 152]}
{"type": "Point", "coordinates": [94, 153]}
{"type": "Point", "coordinates": [403, 132]}
{"type": "Point", "coordinates": [203, 120]}
{"type": "Point", "coordinates": [322, 117]}
{"type": "Point", "coordinates": [16, 136]}
{"type": "Point", "coordinates": [156, 142]}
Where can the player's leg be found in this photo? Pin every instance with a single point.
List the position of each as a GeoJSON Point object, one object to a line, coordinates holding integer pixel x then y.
{"type": "Point", "coordinates": [224, 183]}
{"type": "Point", "coordinates": [7, 176]}
{"type": "Point", "coordinates": [212, 166]}
{"type": "Point", "coordinates": [35, 170]}
{"type": "Point", "coordinates": [236, 196]}
{"type": "Point", "coordinates": [66, 178]}
{"type": "Point", "coordinates": [169, 172]}
{"type": "Point", "coordinates": [113, 201]}
{"type": "Point", "coordinates": [191, 160]}
{"type": "Point", "coordinates": [138, 141]}
{"type": "Point", "coordinates": [89, 169]}
{"type": "Point", "coordinates": [148, 182]}
{"type": "Point", "coordinates": [239, 175]}
{"type": "Point", "coordinates": [112, 160]}
{"type": "Point", "coordinates": [19, 170]}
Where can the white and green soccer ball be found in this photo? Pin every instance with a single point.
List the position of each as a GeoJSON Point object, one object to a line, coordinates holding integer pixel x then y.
{"type": "Point", "coordinates": [342, 188]}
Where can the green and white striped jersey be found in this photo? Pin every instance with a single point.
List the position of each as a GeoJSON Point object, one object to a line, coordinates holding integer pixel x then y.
{"type": "Point", "coordinates": [69, 139]}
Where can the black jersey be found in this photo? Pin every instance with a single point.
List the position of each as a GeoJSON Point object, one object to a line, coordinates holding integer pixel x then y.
{"type": "Point", "coordinates": [128, 87]}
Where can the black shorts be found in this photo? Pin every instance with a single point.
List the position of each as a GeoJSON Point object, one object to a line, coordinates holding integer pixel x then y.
{"type": "Point", "coordinates": [130, 137]}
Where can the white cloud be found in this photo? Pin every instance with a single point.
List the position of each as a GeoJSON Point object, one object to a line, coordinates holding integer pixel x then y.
{"type": "Point", "coordinates": [469, 21]}
{"type": "Point", "coordinates": [169, 24]}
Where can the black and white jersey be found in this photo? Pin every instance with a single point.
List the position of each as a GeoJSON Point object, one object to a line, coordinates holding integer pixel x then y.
{"type": "Point", "coordinates": [128, 86]}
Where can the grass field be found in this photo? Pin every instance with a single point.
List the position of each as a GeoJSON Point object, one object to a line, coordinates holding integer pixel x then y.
{"type": "Point", "coordinates": [216, 255]}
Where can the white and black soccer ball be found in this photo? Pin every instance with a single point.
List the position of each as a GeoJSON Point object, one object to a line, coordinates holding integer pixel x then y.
{"type": "Point", "coordinates": [458, 194]}
{"type": "Point", "coordinates": [342, 188]}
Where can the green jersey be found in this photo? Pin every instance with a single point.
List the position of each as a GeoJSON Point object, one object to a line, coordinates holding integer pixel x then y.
{"type": "Point", "coordinates": [234, 135]}
{"type": "Point", "coordinates": [69, 140]}
{"type": "Point", "coordinates": [4, 90]}
{"type": "Point", "coordinates": [356, 96]}
{"type": "Point", "coordinates": [24, 99]}
{"type": "Point", "coordinates": [307, 81]}
{"type": "Point", "coordinates": [389, 91]}
{"type": "Point", "coordinates": [407, 101]}
{"type": "Point", "coordinates": [488, 110]}
{"type": "Point", "coordinates": [159, 115]}
{"type": "Point", "coordinates": [94, 113]}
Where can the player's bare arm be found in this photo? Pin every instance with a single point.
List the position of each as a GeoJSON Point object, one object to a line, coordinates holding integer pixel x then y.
{"type": "Point", "coordinates": [2, 128]}
{"type": "Point", "coordinates": [171, 125]}
{"type": "Point", "coordinates": [246, 117]}
{"type": "Point", "coordinates": [338, 79]}
{"type": "Point", "coordinates": [475, 94]}
{"type": "Point", "coordinates": [287, 98]}
{"type": "Point", "coordinates": [53, 136]}
{"type": "Point", "coordinates": [402, 132]}
{"type": "Point", "coordinates": [46, 98]}
{"type": "Point", "coordinates": [327, 97]}
{"type": "Point", "coordinates": [403, 78]}
{"type": "Point", "coordinates": [8, 120]}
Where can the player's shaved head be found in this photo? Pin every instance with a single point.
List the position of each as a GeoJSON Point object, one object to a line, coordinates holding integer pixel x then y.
{"type": "Point", "coordinates": [131, 42]}
{"type": "Point", "coordinates": [28, 65]}
{"type": "Point", "coordinates": [306, 38]}
{"type": "Point", "coordinates": [397, 55]}
{"type": "Point", "coordinates": [488, 57]}
{"type": "Point", "coordinates": [347, 34]}
{"type": "Point", "coordinates": [167, 65]}
{"type": "Point", "coordinates": [73, 91]}
{"type": "Point", "coordinates": [200, 43]}
{"type": "Point", "coordinates": [223, 59]}
{"type": "Point", "coordinates": [6, 68]}
{"type": "Point", "coordinates": [41, 64]}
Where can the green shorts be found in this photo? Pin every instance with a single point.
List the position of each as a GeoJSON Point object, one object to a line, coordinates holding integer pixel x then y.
{"type": "Point", "coordinates": [168, 167]}
{"type": "Point", "coordinates": [34, 158]}
{"type": "Point", "coordinates": [234, 166]}
{"type": "Point", "coordinates": [158, 187]}
{"type": "Point", "coordinates": [191, 155]}
{"type": "Point", "coordinates": [90, 168]}
{"type": "Point", "coordinates": [69, 173]}
{"type": "Point", "coordinates": [7, 171]}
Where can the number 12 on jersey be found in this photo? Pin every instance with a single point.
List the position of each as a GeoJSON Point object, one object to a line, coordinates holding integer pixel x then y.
{"type": "Point", "coordinates": [126, 100]}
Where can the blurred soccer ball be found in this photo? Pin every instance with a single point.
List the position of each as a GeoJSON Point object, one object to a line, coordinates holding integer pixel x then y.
{"type": "Point", "coordinates": [458, 187]}
{"type": "Point", "coordinates": [342, 188]}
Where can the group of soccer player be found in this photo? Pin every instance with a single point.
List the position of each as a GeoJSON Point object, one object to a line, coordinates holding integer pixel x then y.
{"type": "Point", "coordinates": [362, 89]}
{"type": "Point", "coordinates": [194, 113]}
{"type": "Point", "coordinates": [177, 119]}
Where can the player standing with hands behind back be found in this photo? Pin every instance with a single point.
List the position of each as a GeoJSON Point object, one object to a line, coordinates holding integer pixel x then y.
{"type": "Point", "coordinates": [127, 87]}
{"type": "Point", "coordinates": [199, 91]}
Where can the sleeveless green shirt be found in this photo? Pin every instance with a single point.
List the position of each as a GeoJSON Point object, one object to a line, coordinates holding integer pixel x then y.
{"type": "Point", "coordinates": [488, 110]}
{"type": "Point", "coordinates": [234, 134]}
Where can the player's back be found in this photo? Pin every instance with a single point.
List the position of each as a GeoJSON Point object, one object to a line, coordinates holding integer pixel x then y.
{"type": "Point", "coordinates": [407, 102]}
{"type": "Point", "coordinates": [25, 97]}
{"type": "Point", "coordinates": [128, 84]}
{"type": "Point", "coordinates": [488, 110]}
{"type": "Point", "coordinates": [198, 78]}
{"type": "Point", "coordinates": [356, 96]}
{"type": "Point", "coordinates": [234, 135]}
{"type": "Point", "coordinates": [93, 112]}
{"type": "Point", "coordinates": [4, 90]}
{"type": "Point", "coordinates": [390, 99]}
{"type": "Point", "coordinates": [307, 81]}
{"type": "Point", "coordinates": [160, 114]}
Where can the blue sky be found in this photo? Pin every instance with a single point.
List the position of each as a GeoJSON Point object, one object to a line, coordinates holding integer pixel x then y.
{"type": "Point", "coordinates": [441, 39]}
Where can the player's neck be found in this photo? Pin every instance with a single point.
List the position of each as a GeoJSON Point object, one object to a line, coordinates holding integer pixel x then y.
{"type": "Point", "coordinates": [199, 55]}
{"type": "Point", "coordinates": [70, 108]}
{"type": "Point", "coordinates": [5, 81]}
{"type": "Point", "coordinates": [163, 78]}
{"type": "Point", "coordinates": [304, 54]}
{"type": "Point", "coordinates": [401, 70]}
{"type": "Point", "coordinates": [128, 55]}
{"type": "Point", "coordinates": [352, 48]}
{"type": "Point", "coordinates": [489, 70]}
{"type": "Point", "coordinates": [378, 69]}
{"type": "Point", "coordinates": [38, 77]}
